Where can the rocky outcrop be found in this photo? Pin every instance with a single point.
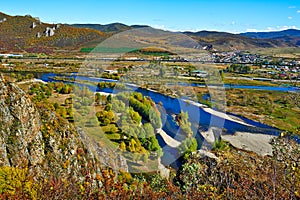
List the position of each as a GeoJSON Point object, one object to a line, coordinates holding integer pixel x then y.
{"type": "Point", "coordinates": [212, 134]}
{"type": "Point", "coordinates": [20, 137]}
{"type": "Point", "coordinates": [49, 32]}
{"type": "Point", "coordinates": [33, 136]}
{"type": "Point", "coordinates": [33, 25]}
{"type": "Point", "coordinates": [3, 20]}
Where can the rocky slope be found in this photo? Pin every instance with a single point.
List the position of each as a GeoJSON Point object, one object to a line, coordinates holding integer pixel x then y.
{"type": "Point", "coordinates": [21, 139]}
{"type": "Point", "coordinates": [32, 136]}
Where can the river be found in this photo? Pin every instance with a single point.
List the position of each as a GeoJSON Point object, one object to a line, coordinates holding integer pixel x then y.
{"type": "Point", "coordinates": [198, 116]}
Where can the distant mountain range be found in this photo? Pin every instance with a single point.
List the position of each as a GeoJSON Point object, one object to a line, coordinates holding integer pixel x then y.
{"type": "Point", "coordinates": [228, 41]}
{"type": "Point", "coordinates": [111, 28]}
{"type": "Point", "coordinates": [220, 40]}
{"type": "Point", "coordinates": [26, 33]}
{"type": "Point", "coordinates": [118, 27]}
{"type": "Point", "coordinates": [291, 36]}
{"type": "Point", "coordinates": [273, 34]}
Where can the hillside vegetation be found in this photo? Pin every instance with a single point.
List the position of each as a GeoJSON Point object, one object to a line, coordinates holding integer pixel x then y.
{"type": "Point", "coordinates": [227, 41]}
{"type": "Point", "coordinates": [17, 34]}
{"type": "Point", "coordinates": [220, 41]}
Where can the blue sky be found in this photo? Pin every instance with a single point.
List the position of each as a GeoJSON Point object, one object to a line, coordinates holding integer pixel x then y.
{"type": "Point", "coordinates": [194, 15]}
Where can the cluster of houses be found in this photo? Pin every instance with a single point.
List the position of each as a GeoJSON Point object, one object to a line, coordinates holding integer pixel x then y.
{"type": "Point", "coordinates": [283, 71]}
{"type": "Point", "coordinates": [236, 57]}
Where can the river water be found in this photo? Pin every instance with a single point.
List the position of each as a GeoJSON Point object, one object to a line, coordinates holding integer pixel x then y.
{"type": "Point", "coordinates": [199, 118]}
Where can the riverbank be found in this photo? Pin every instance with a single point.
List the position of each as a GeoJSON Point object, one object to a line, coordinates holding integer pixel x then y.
{"type": "Point", "coordinates": [217, 113]}
{"type": "Point", "coordinates": [35, 80]}
{"type": "Point", "coordinates": [258, 143]}
{"type": "Point", "coordinates": [104, 93]}
{"type": "Point", "coordinates": [254, 142]}
{"type": "Point", "coordinates": [277, 109]}
{"type": "Point", "coordinates": [168, 139]}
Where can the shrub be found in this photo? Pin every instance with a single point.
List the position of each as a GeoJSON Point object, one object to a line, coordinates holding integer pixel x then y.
{"type": "Point", "coordinates": [14, 181]}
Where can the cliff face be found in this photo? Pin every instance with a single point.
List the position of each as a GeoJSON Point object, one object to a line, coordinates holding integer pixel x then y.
{"type": "Point", "coordinates": [20, 137]}
{"type": "Point", "coordinates": [33, 136]}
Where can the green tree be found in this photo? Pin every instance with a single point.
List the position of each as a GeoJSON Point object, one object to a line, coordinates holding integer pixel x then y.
{"type": "Point", "coordinates": [97, 98]}
{"type": "Point", "coordinates": [185, 125]}
{"type": "Point", "coordinates": [155, 118]}
{"type": "Point", "coordinates": [136, 118]}
{"type": "Point", "coordinates": [105, 117]}
{"type": "Point", "coordinates": [132, 145]}
{"type": "Point", "coordinates": [108, 107]}
{"type": "Point", "coordinates": [148, 129]}
{"type": "Point", "coordinates": [123, 146]}
{"type": "Point", "coordinates": [188, 146]}
{"type": "Point", "coordinates": [62, 112]}
{"type": "Point", "coordinates": [13, 180]}
{"type": "Point", "coordinates": [109, 98]}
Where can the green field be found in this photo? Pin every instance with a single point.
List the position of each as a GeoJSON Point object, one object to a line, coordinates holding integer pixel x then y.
{"type": "Point", "coordinates": [107, 50]}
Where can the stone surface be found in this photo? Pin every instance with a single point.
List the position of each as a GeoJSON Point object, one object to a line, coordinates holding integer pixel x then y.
{"type": "Point", "coordinates": [258, 143]}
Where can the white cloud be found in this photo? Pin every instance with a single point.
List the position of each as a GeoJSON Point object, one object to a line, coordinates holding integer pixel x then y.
{"type": "Point", "coordinates": [252, 30]}
{"type": "Point", "coordinates": [290, 18]}
{"type": "Point", "coordinates": [298, 11]}
{"type": "Point", "coordinates": [292, 7]}
{"type": "Point", "coordinates": [281, 28]}
{"type": "Point", "coordinates": [162, 27]}
{"type": "Point", "coordinates": [233, 23]}
{"type": "Point", "coordinates": [260, 30]}
{"type": "Point", "coordinates": [269, 29]}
